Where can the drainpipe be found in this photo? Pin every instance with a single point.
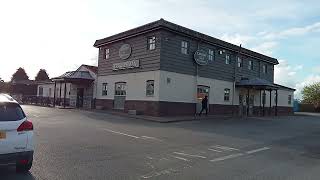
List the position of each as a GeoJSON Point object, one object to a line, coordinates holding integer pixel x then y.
{"type": "Point", "coordinates": [234, 79]}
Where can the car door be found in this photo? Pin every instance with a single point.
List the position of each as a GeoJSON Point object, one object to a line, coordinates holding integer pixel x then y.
{"type": "Point", "coordinates": [11, 117]}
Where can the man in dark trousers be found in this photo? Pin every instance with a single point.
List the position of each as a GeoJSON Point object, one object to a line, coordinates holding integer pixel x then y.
{"type": "Point", "coordinates": [204, 105]}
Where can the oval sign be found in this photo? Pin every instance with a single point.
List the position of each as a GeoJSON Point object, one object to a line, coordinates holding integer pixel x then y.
{"type": "Point", "coordinates": [201, 57]}
{"type": "Point", "coordinates": [125, 51]}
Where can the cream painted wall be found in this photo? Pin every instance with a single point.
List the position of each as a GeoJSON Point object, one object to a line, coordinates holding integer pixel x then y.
{"type": "Point", "coordinates": [283, 97]}
{"type": "Point", "coordinates": [183, 88]}
{"type": "Point", "coordinates": [136, 85]}
{"type": "Point", "coordinates": [46, 90]}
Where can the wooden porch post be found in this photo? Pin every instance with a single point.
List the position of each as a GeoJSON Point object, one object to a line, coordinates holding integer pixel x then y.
{"type": "Point", "coordinates": [263, 101]}
{"type": "Point", "coordinates": [260, 107]}
{"type": "Point", "coordinates": [60, 93]}
{"type": "Point", "coordinates": [270, 102]}
{"type": "Point", "coordinates": [54, 94]}
{"type": "Point", "coordinates": [65, 92]}
{"type": "Point", "coordinates": [248, 102]}
{"type": "Point", "coordinates": [276, 110]}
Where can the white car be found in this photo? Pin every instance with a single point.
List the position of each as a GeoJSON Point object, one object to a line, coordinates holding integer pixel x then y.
{"type": "Point", "coordinates": [16, 135]}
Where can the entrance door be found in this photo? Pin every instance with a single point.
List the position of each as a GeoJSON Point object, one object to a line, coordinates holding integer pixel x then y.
{"type": "Point", "coordinates": [80, 97]}
{"type": "Point", "coordinates": [202, 91]}
{"type": "Point", "coordinates": [120, 95]}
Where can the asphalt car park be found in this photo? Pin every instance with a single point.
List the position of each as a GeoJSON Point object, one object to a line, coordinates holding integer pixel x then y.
{"type": "Point", "coordinates": [79, 144]}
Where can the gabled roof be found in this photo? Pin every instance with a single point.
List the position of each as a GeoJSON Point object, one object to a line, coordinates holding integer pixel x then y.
{"type": "Point", "coordinates": [94, 69]}
{"type": "Point", "coordinates": [163, 24]}
{"type": "Point", "coordinates": [75, 75]}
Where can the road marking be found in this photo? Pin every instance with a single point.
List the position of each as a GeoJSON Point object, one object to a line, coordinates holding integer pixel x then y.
{"type": "Point", "coordinates": [116, 132]}
{"type": "Point", "coordinates": [213, 150]}
{"type": "Point", "coordinates": [153, 138]}
{"type": "Point", "coordinates": [149, 157]}
{"type": "Point", "coordinates": [257, 150]}
{"type": "Point", "coordinates": [183, 159]}
{"type": "Point", "coordinates": [225, 148]}
{"type": "Point", "coordinates": [190, 155]}
{"type": "Point", "coordinates": [159, 173]}
{"type": "Point", "coordinates": [226, 157]}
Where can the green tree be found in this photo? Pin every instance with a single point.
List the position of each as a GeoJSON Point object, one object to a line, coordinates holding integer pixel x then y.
{"type": "Point", "coordinates": [311, 94]}
{"type": "Point", "coordinates": [19, 75]}
{"type": "Point", "coordinates": [42, 75]}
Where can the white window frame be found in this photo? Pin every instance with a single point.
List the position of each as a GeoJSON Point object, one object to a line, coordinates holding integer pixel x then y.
{"type": "Point", "coordinates": [227, 59]}
{"type": "Point", "coordinates": [239, 62]}
{"type": "Point", "coordinates": [210, 55]}
{"type": "Point", "coordinates": [149, 92]}
{"type": "Point", "coordinates": [184, 47]}
{"type": "Point", "coordinates": [289, 99]}
{"type": "Point", "coordinates": [104, 91]}
{"type": "Point", "coordinates": [264, 69]}
{"type": "Point", "coordinates": [250, 65]}
{"type": "Point", "coordinates": [152, 43]}
{"type": "Point", "coordinates": [226, 96]}
{"type": "Point", "coordinates": [107, 53]}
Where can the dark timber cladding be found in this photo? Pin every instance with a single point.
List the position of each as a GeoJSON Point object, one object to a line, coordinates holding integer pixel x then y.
{"type": "Point", "coordinates": [167, 55]}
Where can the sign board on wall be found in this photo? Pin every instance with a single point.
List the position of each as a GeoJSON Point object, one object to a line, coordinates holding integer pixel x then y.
{"type": "Point", "coordinates": [201, 57]}
{"type": "Point", "coordinates": [126, 65]}
{"type": "Point", "coordinates": [125, 51]}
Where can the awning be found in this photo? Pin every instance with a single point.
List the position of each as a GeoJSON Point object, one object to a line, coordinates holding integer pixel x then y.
{"type": "Point", "coordinates": [257, 83]}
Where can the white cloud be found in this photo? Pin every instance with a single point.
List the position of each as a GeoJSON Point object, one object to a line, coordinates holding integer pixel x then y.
{"type": "Point", "coordinates": [266, 48]}
{"type": "Point", "coordinates": [284, 73]}
{"type": "Point", "coordinates": [295, 31]}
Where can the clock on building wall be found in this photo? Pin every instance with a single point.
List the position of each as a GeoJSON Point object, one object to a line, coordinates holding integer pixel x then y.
{"type": "Point", "coordinates": [125, 51]}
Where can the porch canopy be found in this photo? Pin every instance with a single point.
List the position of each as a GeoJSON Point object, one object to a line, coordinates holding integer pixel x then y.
{"type": "Point", "coordinates": [257, 83]}
{"type": "Point", "coordinates": [77, 77]}
{"type": "Point", "coordinates": [261, 85]}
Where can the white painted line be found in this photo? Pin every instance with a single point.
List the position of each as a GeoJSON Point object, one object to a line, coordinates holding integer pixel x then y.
{"type": "Point", "coordinates": [226, 157]}
{"type": "Point", "coordinates": [190, 155]}
{"type": "Point", "coordinates": [180, 158]}
{"type": "Point", "coordinates": [213, 150]}
{"type": "Point", "coordinates": [116, 132]}
{"type": "Point", "coordinates": [225, 148]}
{"type": "Point", "coordinates": [149, 137]}
{"type": "Point", "coordinates": [257, 150]}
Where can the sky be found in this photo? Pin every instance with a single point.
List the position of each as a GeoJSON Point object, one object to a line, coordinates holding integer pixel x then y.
{"type": "Point", "coordinates": [58, 35]}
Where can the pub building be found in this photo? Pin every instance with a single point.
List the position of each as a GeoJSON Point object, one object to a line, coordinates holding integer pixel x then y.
{"type": "Point", "coordinates": [164, 69]}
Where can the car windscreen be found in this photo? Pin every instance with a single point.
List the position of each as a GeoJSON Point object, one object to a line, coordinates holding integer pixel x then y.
{"type": "Point", "coordinates": [11, 112]}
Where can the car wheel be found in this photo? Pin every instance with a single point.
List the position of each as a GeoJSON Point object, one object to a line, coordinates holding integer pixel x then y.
{"type": "Point", "coordinates": [23, 168]}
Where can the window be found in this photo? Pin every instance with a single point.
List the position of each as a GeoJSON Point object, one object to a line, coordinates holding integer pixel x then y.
{"type": "Point", "coordinates": [184, 47]}
{"type": "Point", "coordinates": [120, 89]}
{"type": "Point", "coordinates": [152, 43]}
{"type": "Point", "coordinates": [11, 112]}
{"type": "Point", "coordinates": [289, 99]}
{"type": "Point", "coordinates": [49, 92]}
{"type": "Point", "coordinates": [104, 89]}
{"type": "Point", "coordinates": [250, 65]}
{"type": "Point", "coordinates": [226, 94]}
{"type": "Point", "coordinates": [211, 54]}
{"type": "Point", "coordinates": [264, 69]}
{"type": "Point", "coordinates": [40, 91]}
{"type": "Point", "coordinates": [107, 53]}
{"type": "Point", "coordinates": [227, 59]}
{"type": "Point", "coordinates": [239, 62]}
{"type": "Point", "coordinates": [150, 88]}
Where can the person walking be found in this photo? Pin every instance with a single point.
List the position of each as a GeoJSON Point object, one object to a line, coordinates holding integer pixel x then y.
{"type": "Point", "coordinates": [204, 105]}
